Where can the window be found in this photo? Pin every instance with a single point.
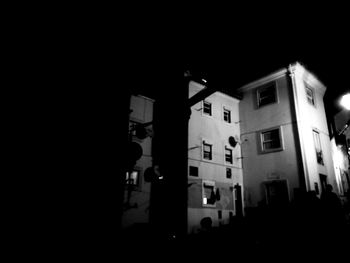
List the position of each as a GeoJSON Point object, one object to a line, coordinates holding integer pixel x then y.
{"type": "Point", "coordinates": [207, 151]}
{"type": "Point", "coordinates": [207, 108]}
{"type": "Point", "coordinates": [193, 171]}
{"type": "Point", "coordinates": [228, 173]}
{"type": "Point", "coordinates": [310, 94]}
{"type": "Point", "coordinates": [227, 115]}
{"type": "Point", "coordinates": [267, 94]}
{"type": "Point", "coordinates": [132, 178]}
{"type": "Point", "coordinates": [228, 155]}
{"type": "Point", "coordinates": [219, 214]}
{"type": "Point", "coordinates": [209, 193]}
{"type": "Point", "coordinates": [271, 140]}
{"type": "Point", "coordinates": [319, 154]}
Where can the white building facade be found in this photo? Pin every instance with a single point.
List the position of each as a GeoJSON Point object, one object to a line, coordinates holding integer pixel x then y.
{"type": "Point", "coordinates": [286, 145]}
{"type": "Point", "coordinates": [214, 159]}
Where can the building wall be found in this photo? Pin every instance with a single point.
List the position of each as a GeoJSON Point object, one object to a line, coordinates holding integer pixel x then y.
{"type": "Point", "coordinates": [313, 117]}
{"type": "Point", "coordinates": [138, 212]}
{"type": "Point", "coordinates": [214, 130]}
{"type": "Point", "coordinates": [259, 168]}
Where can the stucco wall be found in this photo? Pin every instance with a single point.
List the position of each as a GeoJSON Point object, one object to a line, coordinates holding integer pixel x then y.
{"type": "Point", "coordinates": [260, 167]}
{"type": "Point", "coordinates": [214, 130]}
{"type": "Point", "coordinates": [313, 117]}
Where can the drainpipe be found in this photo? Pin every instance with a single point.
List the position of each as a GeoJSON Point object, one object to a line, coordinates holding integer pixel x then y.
{"type": "Point", "coordinates": [299, 124]}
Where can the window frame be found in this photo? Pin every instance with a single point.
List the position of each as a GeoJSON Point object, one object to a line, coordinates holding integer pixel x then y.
{"type": "Point", "coordinates": [206, 143]}
{"type": "Point", "coordinates": [272, 84]}
{"type": "Point", "coordinates": [224, 109]}
{"type": "Point", "coordinates": [280, 136]}
{"type": "Point", "coordinates": [309, 88]}
{"type": "Point", "coordinates": [317, 142]}
{"type": "Point", "coordinates": [226, 147]}
{"type": "Point", "coordinates": [211, 108]}
{"type": "Point", "coordinates": [228, 169]}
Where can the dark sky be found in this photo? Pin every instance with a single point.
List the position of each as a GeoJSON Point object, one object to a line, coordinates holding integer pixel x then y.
{"type": "Point", "coordinates": [235, 54]}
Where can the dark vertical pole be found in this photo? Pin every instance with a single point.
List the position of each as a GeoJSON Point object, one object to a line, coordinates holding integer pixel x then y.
{"type": "Point", "coordinates": [121, 172]}
{"type": "Point", "coordinates": [171, 154]}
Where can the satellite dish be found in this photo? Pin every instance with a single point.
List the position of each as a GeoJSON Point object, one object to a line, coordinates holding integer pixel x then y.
{"type": "Point", "coordinates": [141, 133]}
{"type": "Point", "coordinates": [232, 141]}
{"type": "Point", "coordinates": [135, 151]}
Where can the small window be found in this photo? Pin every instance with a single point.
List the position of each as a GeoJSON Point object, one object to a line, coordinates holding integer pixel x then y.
{"type": "Point", "coordinates": [310, 95]}
{"type": "Point", "coordinates": [271, 140]}
{"type": "Point", "coordinates": [209, 193]}
{"type": "Point", "coordinates": [267, 94]}
{"type": "Point", "coordinates": [132, 178]}
{"type": "Point", "coordinates": [317, 141]}
{"type": "Point", "coordinates": [193, 171]}
{"type": "Point", "coordinates": [207, 151]}
{"type": "Point", "coordinates": [227, 115]}
{"type": "Point", "coordinates": [228, 155]}
{"type": "Point", "coordinates": [228, 173]}
{"type": "Point", "coordinates": [207, 108]}
{"type": "Point", "coordinates": [219, 214]}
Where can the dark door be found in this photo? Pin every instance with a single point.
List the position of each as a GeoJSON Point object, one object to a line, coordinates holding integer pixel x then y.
{"type": "Point", "coordinates": [323, 181]}
{"type": "Point", "coordinates": [238, 201]}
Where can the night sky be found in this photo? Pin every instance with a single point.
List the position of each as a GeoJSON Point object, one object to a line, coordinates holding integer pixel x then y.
{"type": "Point", "coordinates": [235, 55]}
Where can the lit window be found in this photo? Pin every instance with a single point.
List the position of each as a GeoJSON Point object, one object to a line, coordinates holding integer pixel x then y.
{"type": "Point", "coordinates": [227, 115]}
{"type": "Point", "coordinates": [267, 94]}
{"type": "Point", "coordinates": [209, 193]}
{"type": "Point", "coordinates": [228, 155]}
{"type": "Point", "coordinates": [132, 178]}
{"type": "Point", "coordinates": [310, 95]}
{"type": "Point", "coordinates": [271, 140]}
{"type": "Point", "coordinates": [228, 173]}
{"type": "Point", "coordinates": [207, 151]}
{"type": "Point", "coordinates": [317, 141]}
{"type": "Point", "coordinates": [207, 108]}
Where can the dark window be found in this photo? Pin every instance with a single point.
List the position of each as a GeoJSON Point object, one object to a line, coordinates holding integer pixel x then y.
{"type": "Point", "coordinates": [228, 173]}
{"type": "Point", "coordinates": [267, 94]}
{"type": "Point", "coordinates": [228, 155]}
{"type": "Point", "coordinates": [207, 107]}
{"type": "Point", "coordinates": [219, 214]}
{"type": "Point", "coordinates": [310, 95]}
{"type": "Point", "coordinates": [193, 171]}
{"type": "Point", "coordinates": [207, 151]}
{"type": "Point", "coordinates": [227, 115]}
{"type": "Point", "coordinates": [271, 140]}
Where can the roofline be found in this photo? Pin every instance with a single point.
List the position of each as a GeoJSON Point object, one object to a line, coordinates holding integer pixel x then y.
{"type": "Point", "coordinates": [296, 66]}
{"type": "Point", "coordinates": [229, 94]}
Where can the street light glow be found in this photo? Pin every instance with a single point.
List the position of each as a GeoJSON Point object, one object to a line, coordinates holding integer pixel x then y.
{"type": "Point", "coordinates": [345, 101]}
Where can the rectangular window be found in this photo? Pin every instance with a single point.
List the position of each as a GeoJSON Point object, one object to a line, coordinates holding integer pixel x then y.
{"type": "Point", "coordinates": [317, 141]}
{"type": "Point", "coordinates": [228, 173]}
{"type": "Point", "coordinates": [207, 108]}
{"type": "Point", "coordinates": [207, 151]}
{"type": "Point", "coordinates": [219, 214]}
{"type": "Point", "coordinates": [228, 155]}
{"type": "Point", "coordinates": [267, 94]}
{"type": "Point", "coordinates": [209, 193]}
{"type": "Point", "coordinates": [132, 178]}
{"type": "Point", "coordinates": [310, 95]}
{"type": "Point", "coordinates": [227, 115]}
{"type": "Point", "coordinates": [271, 140]}
{"type": "Point", "coordinates": [193, 171]}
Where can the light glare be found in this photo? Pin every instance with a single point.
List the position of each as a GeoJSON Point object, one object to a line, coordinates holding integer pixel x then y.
{"type": "Point", "coordinates": [345, 101]}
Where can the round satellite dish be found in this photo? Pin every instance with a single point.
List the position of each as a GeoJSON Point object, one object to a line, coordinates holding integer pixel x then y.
{"type": "Point", "coordinates": [135, 151]}
{"type": "Point", "coordinates": [232, 141]}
